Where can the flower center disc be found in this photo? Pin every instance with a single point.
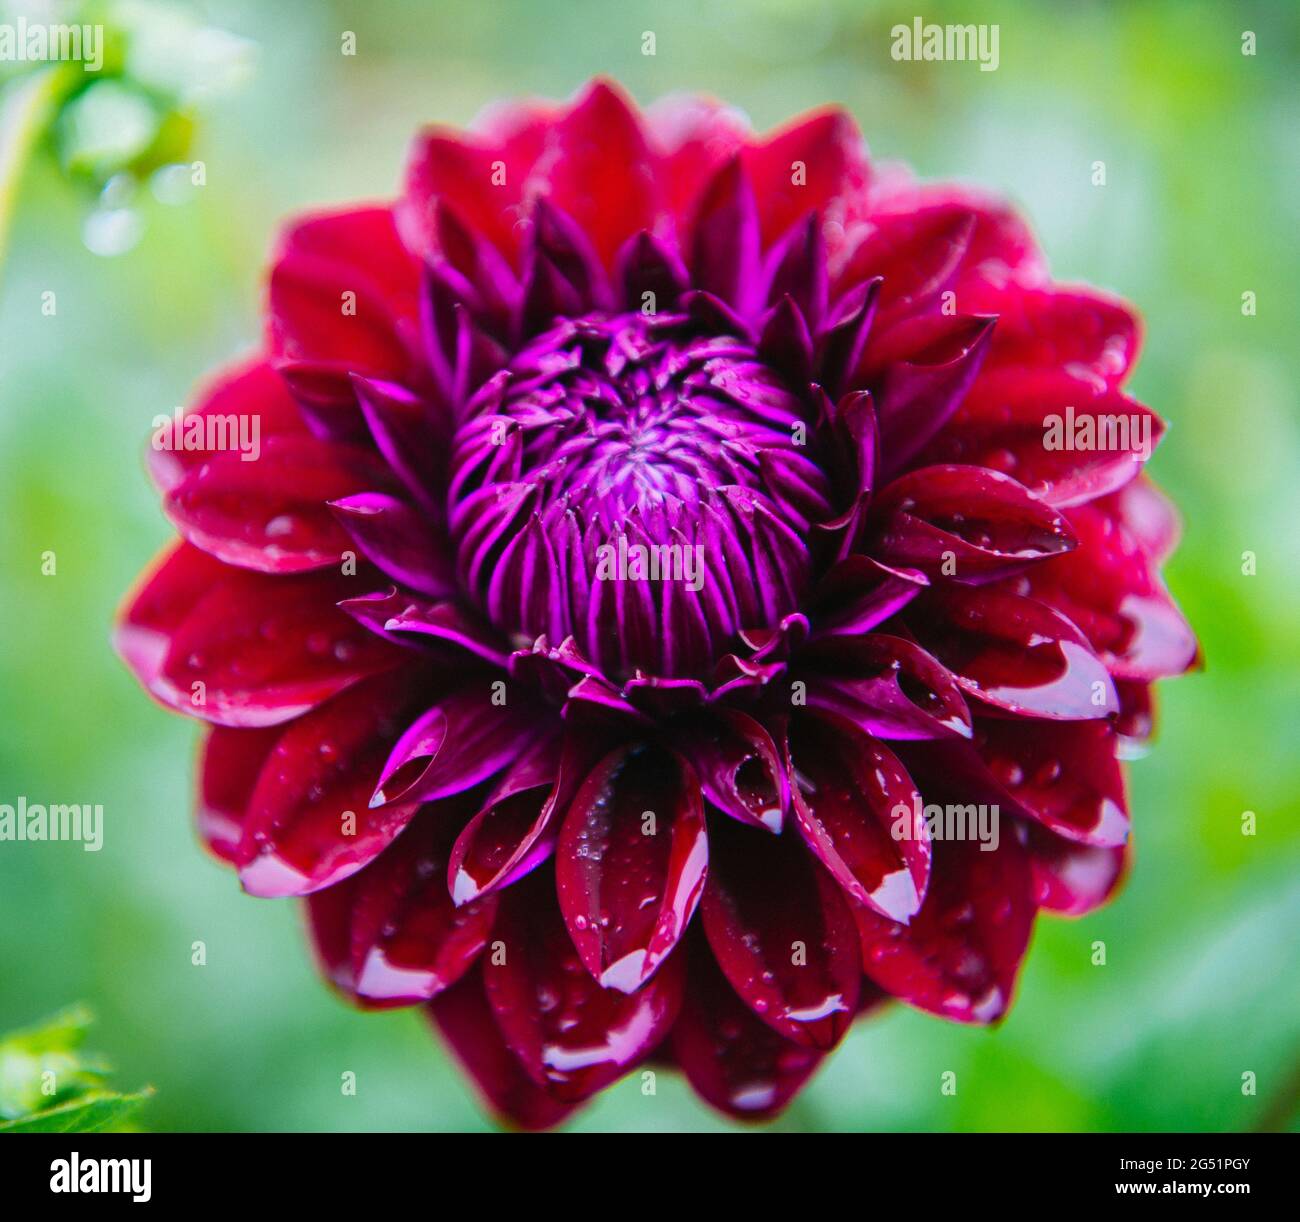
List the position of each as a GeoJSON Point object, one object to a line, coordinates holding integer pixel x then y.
{"type": "Point", "coordinates": [638, 486]}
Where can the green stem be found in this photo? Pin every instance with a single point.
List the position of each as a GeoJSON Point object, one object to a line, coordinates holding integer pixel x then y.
{"type": "Point", "coordinates": [26, 106]}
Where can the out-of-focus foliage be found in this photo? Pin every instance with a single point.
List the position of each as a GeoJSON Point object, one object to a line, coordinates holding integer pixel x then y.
{"type": "Point", "coordinates": [122, 110]}
{"type": "Point", "coordinates": [1202, 203]}
{"type": "Point", "coordinates": [49, 1084]}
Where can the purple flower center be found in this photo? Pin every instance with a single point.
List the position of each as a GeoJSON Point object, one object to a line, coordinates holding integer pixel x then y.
{"type": "Point", "coordinates": [627, 482]}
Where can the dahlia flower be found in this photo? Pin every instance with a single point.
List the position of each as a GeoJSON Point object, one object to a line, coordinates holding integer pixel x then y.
{"type": "Point", "coordinates": [650, 524]}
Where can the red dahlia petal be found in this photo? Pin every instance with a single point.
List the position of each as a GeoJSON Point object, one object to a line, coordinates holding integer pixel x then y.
{"type": "Point", "coordinates": [408, 940]}
{"type": "Point", "coordinates": [461, 741]}
{"type": "Point", "coordinates": [1148, 515]}
{"type": "Point", "coordinates": [819, 164]}
{"type": "Point", "coordinates": [858, 593]}
{"type": "Point", "coordinates": [248, 396]}
{"type": "Point", "coordinates": [342, 290]}
{"type": "Point", "coordinates": [518, 825]}
{"type": "Point", "coordinates": [466, 1022]}
{"type": "Point", "coordinates": [841, 344]}
{"type": "Point", "coordinates": [230, 763]}
{"type": "Point", "coordinates": [647, 265]}
{"type": "Point", "coordinates": [887, 686]}
{"type": "Point", "coordinates": [364, 239]}
{"type": "Point", "coordinates": [604, 175]}
{"type": "Point", "coordinates": [308, 824]}
{"type": "Point", "coordinates": [483, 181]}
{"type": "Point", "coordinates": [785, 342]}
{"type": "Point", "coordinates": [1028, 423]}
{"type": "Point", "coordinates": [515, 830]}
{"type": "Point", "coordinates": [256, 650]}
{"type": "Point", "coordinates": [782, 933]}
{"type": "Point", "coordinates": [1064, 774]}
{"type": "Point", "coordinates": [1071, 878]}
{"type": "Point", "coordinates": [917, 252]}
{"type": "Point", "coordinates": [268, 511]}
{"type": "Point", "coordinates": [959, 956]}
{"type": "Point", "coordinates": [931, 363]}
{"type": "Point", "coordinates": [725, 258]}
{"type": "Point", "coordinates": [568, 249]}
{"type": "Point", "coordinates": [1113, 592]}
{"type": "Point", "coordinates": [630, 863]}
{"type": "Point", "coordinates": [695, 136]}
{"type": "Point", "coordinates": [851, 798]}
{"type": "Point", "coordinates": [399, 539]}
{"type": "Point", "coordinates": [999, 250]}
{"type": "Point", "coordinates": [739, 767]}
{"type": "Point", "coordinates": [491, 288]}
{"type": "Point", "coordinates": [1064, 328]}
{"type": "Point", "coordinates": [1014, 653]}
{"type": "Point", "coordinates": [329, 928]}
{"type": "Point", "coordinates": [796, 268]}
{"type": "Point", "coordinates": [444, 624]}
{"type": "Point", "coordinates": [967, 523]}
{"type": "Point", "coordinates": [151, 615]}
{"type": "Point", "coordinates": [735, 1062]}
{"type": "Point", "coordinates": [572, 1036]}
{"type": "Point", "coordinates": [412, 434]}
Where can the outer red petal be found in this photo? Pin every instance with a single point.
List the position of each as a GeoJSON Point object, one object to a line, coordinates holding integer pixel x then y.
{"type": "Point", "coordinates": [178, 578]}
{"type": "Point", "coordinates": [248, 395]}
{"type": "Point", "coordinates": [1073, 879]}
{"type": "Point", "coordinates": [965, 522]}
{"type": "Point", "coordinates": [481, 175]}
{"type": "Point", "coordinates": [1065, 328]}
{"type": "Point", "coordinates": [819, 164]}
{"type": "Point", "coordinates": [696, 136]}
{"type": "Point", "coordinates": [604, 173]}
{"type": "Point", "coordinates": [630, 864]}
{"type": "Point", "coordinates": [1014, 653]}
{"type": "Point", "coordinates": [572, 1036]}
{"type": "Point", "coordinates": [960, 955]}
{"type": "Point", "coordinates": [230, 763]}
{"type": "Point", "coordinates": [408, 941]}
{"type": "Point", "coordinates": [734, 1061]}
{"type": "Point", "coordinates": [329, 929]}
{"type": "Point", "coordinates": [1010, 416]}
{"type": "Point", "coordinates": [465, 1020]}
{"type": "Point", "coordinates": [270, 513]}
{"type": "Point", "coordinates": [1064, 774]}
{"type": "Point", "coordinates": [255, 650]}
{"type": "Point", "coordinates": [852, 797]}
{"type": "Point", "coordinates": [999, 251]}
{"type": "Point", "coordinates": [1111, 589]}
{"type": "Point", "coordinates": [322, 259]}
{"type": "Point", "coordinates": [782, 933]}
{"type": "Point", "coordinates": [308, 824]}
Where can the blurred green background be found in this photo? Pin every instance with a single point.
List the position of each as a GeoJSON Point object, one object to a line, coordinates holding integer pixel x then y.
{"type": "Point", "coordinates": [1202, 203]}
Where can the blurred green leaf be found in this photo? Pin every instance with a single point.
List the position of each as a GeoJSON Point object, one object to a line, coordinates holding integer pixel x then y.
{"type": "Point", "coordinates": [108, 125]}
{"type": "Point", "coordinates": [92, 1113]}
{"type": "Point", "coordinates": [48, 1084]}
